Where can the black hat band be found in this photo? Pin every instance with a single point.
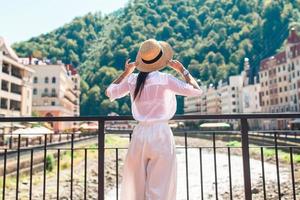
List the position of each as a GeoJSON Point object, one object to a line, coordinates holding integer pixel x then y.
{"type": "Point", "coordinates": [154, 59]}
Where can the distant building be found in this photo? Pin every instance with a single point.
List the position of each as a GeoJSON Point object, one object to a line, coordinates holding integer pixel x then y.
{"type": "Point", "coordinates": [231, 95]}
{"type": "Point", "coordinates": [196, 105]}
{"type": "Point", "coordinates": [238, 95]}
{"type": "Point", "coordinates": [280, 81]}
{"type": "Point", "coordinates": [56, 90]}
{"type": "Point", "coordinates": [213, 101]}
{"type": "Point", "coordinates": [15, 83]}
{"type": "Point", "coordinates": [251, 101]}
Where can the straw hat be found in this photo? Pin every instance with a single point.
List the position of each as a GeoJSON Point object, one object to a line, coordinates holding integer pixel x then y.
{"type": "Point", "coordinates": [153, 55]}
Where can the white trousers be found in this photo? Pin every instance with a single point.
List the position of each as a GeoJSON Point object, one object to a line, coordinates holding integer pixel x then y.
{"type": "Point", "coordinates": [150, 168]}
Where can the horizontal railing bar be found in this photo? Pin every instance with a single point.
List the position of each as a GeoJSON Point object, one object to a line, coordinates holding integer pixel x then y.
{"type": "Point", "coordinates": [174, 131]}
{"type": "Point", "coordinates": [275, 131]}
{"type": "Point", "coordinates": [43, 134]}
{"type": "Point", "coordinates": [179, 147]}
{"type": "Point", "coordinates": [177, 117]}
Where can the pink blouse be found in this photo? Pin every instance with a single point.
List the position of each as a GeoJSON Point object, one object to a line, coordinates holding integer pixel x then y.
{"type": "Point", "coordinates": [157, 101]}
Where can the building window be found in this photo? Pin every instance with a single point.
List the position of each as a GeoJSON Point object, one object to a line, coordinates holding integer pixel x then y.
{"type": "Point", "coordinates": [16, 72]}
{"type": "Point", "coordinates": [53, 92]}
{"type": "Point", "coordinates": [284, 78]}
{"type": "Point", "coordinates": [15, 105]}
{"type": "Point", "coordinates": [233, 88]}
{"type": "Point", "coordinates": [4, 85]}
{"type": "Point", "coordinates": [46, 92]}
{"type": "Point", "coordinates": [4, 104]}
{"type": "Point", "coordinates": [285, 88]}
{"type": "Point", "coordinates": [46, 80]}
{"type": "Point", "coordinates": [262, 84]}
{"type": "Point", "coordinates": [53, 80]}
{"type": "Point", "coordinates": [279, 79]}
{"type": "Point", "coordinates": [35, 79]}
{"type": "Point", "coordinates": [280, 89]}
{"type": "Point", "coordinates": [17, 89]}
{"type": "Point", "coordinates": [35, 91]}
{"type": "Point", "coordinates": [52, 103]}
{"type": "Point", "coordinates": [5, 68]}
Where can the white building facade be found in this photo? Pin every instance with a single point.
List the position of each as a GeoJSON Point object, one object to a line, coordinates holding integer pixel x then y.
{"type": "Point", "coordinates": [15, 84]}
{"type": "Point", "coordinates": [56, 90]}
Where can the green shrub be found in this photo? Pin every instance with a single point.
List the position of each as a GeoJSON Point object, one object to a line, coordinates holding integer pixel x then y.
{"type": "Point", "coordinates": [49, 162]}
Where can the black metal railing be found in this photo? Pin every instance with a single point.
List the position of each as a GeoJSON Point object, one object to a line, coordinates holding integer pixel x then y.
{"type": "Point", "coordinates": [22, 158]}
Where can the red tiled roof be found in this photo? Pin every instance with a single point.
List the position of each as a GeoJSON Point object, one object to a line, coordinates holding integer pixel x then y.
{"type": "Point", "coordinates": [71, 68]}
{"type": "Point", "coordinates": [280, 58]}
{"type": "Point", "coordinates": [293, 38]}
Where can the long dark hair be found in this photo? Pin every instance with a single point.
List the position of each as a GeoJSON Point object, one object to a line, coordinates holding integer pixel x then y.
{"type": "Point", "coordinates": [140, 82]}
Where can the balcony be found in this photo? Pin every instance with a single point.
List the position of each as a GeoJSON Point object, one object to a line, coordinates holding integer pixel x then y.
{"type": "Point", "coordinates": [49, 95]}
{"type": "Point", "coordinates": [80, 163]}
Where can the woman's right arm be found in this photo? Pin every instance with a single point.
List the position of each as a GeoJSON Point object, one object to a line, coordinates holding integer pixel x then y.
{"type": "Point", "coordinates": [176, 65]}
{"type": "Point", "coordinates": [190, 88]}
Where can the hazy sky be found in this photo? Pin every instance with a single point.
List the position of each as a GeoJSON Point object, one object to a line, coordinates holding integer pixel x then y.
{"type": "Point", "coordinates": [22, 19]}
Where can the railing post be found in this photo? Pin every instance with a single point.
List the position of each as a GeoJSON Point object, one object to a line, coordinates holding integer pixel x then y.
{"type": "Point", "coordinates": [246, 158]}
{"type": "Point", "coordinates": [101, 139]}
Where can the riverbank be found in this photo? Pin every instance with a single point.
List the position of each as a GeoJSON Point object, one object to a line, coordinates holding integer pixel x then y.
{"type": "Point", "coordinates": [271, 187]}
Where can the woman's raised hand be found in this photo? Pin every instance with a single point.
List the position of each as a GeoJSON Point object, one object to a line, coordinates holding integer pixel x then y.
{"type": "Point", "coordinates": [129, 67]}
{"type": "Point", "coordinates": [176, 65]}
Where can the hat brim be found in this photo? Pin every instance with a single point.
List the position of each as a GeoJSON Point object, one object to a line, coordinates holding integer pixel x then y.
{"type": "Point", "coordinates": [160, 63]}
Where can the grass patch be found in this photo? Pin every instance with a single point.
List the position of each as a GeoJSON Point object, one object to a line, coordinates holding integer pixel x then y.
{"type": "Point", "coordinates": [296, 158]}
{"type": "Point", "coordinates": [268, 152]}
{"type": "Point", "coordinates": [115, 141]}
{"type": "Point", "coordinates": [233, 144]}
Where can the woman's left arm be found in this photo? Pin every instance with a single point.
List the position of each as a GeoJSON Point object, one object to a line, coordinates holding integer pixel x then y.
{"type": "Point", "coordinates": [118, 88]}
